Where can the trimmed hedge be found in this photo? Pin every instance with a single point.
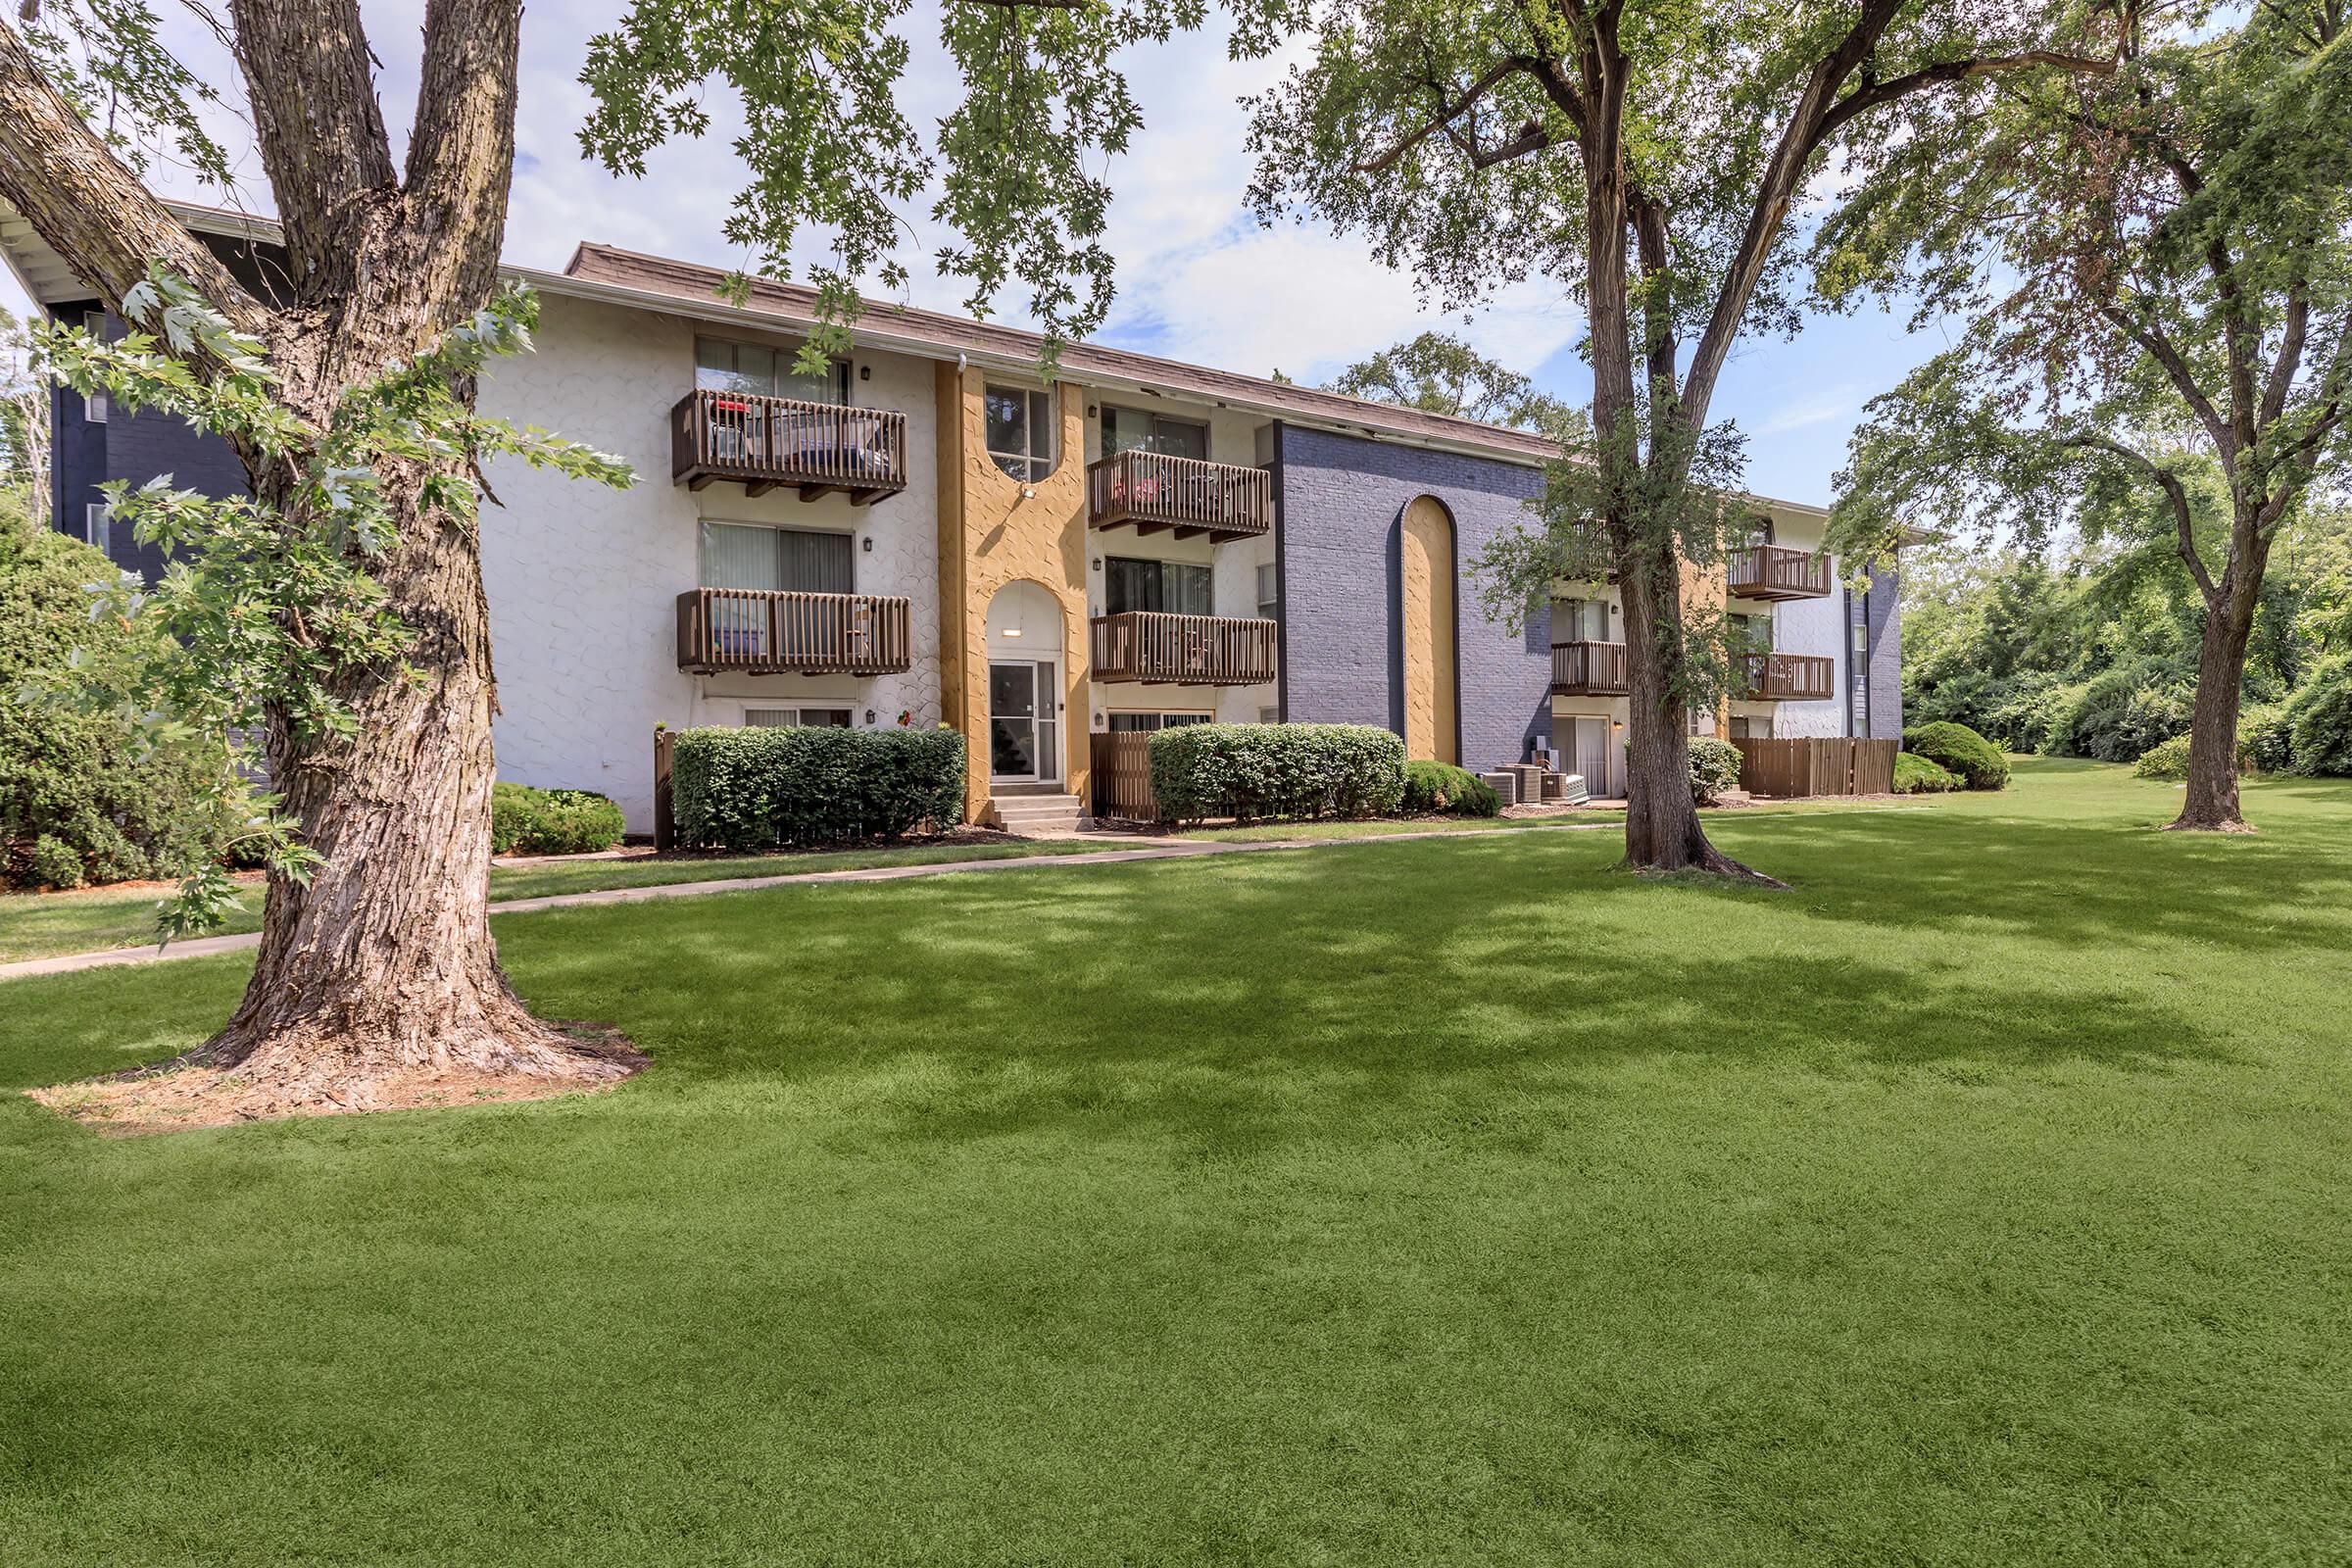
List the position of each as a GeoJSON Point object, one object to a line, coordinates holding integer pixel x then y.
{"type": "Point", "coordinates": [1959, 750]}
{"type": "Point", "coordinates": [1255, 772]}
{"type": "Point", "coordinates": [759, 788]}
{"type": "Point", "coordinates": [533, 822]}
{"type": "Point", "coordinates": [1443, 789]}
{"type": "Point", "coordinates": [1915, 775]}
{"type": "Point", "coordinates": [2166, 759]}
{"type": "Point", "coordinates": [2266, 737]}
{"type": "Point", "coordinates": [1714, 768]}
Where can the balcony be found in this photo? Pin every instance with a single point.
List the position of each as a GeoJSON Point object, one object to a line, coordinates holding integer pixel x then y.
{"type": "Point", "coordinates": [1158, 493]}
{"type": "Point", "coordinates": [754, 632]}
{"type": "Point", "coordinates": [1786, 678]}
{"type": "Point", "coordinates": [766, 443]}
{"type": "Point", "coordinates": [1589, 670]}
{"type": "Point", "coordinates": [1775, 572]}
{"type": "Point", "coordinates": [1161, 649]}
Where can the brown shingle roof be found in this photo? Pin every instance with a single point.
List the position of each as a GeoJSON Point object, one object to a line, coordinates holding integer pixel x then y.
{"type": "Point", "coordinates": [950, 335]}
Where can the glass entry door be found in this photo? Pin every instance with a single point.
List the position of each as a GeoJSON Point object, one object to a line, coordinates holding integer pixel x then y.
{"type": "Point", "coordinates": [1595, 753]}
{"type": "Point", "coordinates": [1023, 732]}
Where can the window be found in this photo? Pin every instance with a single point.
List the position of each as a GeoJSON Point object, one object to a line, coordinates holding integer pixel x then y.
{"type": "Point", "coordinates": [1141, 723]}
{"type": "Point", "coordinates": [796, 717]}
{"type": "Point", "coordinates": [1269, 592]}
{"type": "Point", "coordinates": [1020, 431]}
{"type": "Point", "coordinates": [738, 555]}
{"type": "Point", "coordinates": [1176, 586]}
{"type": "Point", "coordinates": [1751, 634]}
{"type": "Point", "coordinates": [1269, 715]}
{"type": "Point", "coordinates": [756, 370]}
{"type": "Point", "coordinates": [1583, 620]}
{"type": "Point", "coordinates": [98, 527]}
{"type": "Point", "coordinates": [1750, 728]}
{"type": "Point", "coordinates": [95, 408]}
{"type": "Point", "coordinates": [1132, 430]}
{"type": "Point", "coordinates": [1862, 637]}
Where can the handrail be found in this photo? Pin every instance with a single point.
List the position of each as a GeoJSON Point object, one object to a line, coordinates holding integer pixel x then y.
{"type": "Point", "coordinates": [766, 440]}
{"type": "Point", "coordinates": [1154, 489]}
{"type": "Point", "coordinates": [766, 630]}
{"type": "Point", "coordinates": [1159, 646]}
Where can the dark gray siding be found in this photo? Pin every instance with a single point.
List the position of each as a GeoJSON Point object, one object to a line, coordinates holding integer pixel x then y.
{"type": "Point", "coordinates": [1342, 501]}
{"type": "Point", "coordinates": [1884, 605]}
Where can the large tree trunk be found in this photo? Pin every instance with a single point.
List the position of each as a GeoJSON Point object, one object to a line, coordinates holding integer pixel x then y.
{"type": "Point", "coordinates": [380, 973]}
{"type": "Point", "coordinates": [2211, 804]}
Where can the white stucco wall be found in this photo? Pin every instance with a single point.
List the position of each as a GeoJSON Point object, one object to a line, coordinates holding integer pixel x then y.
{"type": "Point", "coordinates": [583, 581]}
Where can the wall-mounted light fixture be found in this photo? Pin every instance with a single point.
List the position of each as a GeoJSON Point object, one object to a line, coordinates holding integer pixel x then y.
{"type": "Point", "coordinates": [1011, 632]}
{"type": "Point", "coordinates": [1092, 411]}
{"type": "Point", "coordinates": [866, 372]}
{"type": "Point", "coordinates": [1096, 563]}
{"type": "Point", "coordinates": [869, 718]}
{"type": "Point", "coordinates": [867, 544]}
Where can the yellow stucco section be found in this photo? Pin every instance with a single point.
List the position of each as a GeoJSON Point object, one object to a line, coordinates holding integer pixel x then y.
{"type": "Point", "coordinates": [1432, 729]}
{"type": "Point", "coordinates": [1706, 588]}
{"type": "Point", "coordinates": [990, 534]}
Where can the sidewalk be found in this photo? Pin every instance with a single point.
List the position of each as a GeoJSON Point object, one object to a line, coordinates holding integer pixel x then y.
{"type": "Point", "coordinates": [1152, 849]}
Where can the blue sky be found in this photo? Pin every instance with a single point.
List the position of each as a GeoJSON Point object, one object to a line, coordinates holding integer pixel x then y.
{"type": "Point", "coordinates": [1197, 278]}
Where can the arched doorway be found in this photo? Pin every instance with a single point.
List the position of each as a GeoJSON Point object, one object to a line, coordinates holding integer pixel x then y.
{"type": "Point", "coordinates": [1024, 685]}
{"type": "Point", "coordinates": [1426, 567]}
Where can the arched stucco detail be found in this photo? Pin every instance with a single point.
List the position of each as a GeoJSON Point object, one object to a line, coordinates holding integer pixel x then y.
{"type": "Point", "coordinates": [996, 531]}
{"type": "Point", "coordinates": [1025, 619]}
{"type": "Point", "coordinates": [1430, 631]}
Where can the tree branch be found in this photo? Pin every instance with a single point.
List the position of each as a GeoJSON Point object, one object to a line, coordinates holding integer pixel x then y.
{"type": "Point", "coordinates": [1864, 99]}
{"type": "Point", "coordinates": [2183, 520]}
{"type": "Point", "coordinates": [91, 210]}
{"type": "Point", "coordinates": [311, 93]}
{"type": "Point", "coordinates": [2160, 348]}
{"type": "Point", "coordinates": [461, 147]}
{"type": "Point", "coordinates": [1447, 114]}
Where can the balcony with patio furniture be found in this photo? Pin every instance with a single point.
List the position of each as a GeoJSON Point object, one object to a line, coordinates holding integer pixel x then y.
{"type": "Point", "coordinates": [764, 632]}
{"type": "Point", "coordinates": [1786, 678]}
{"type": "Point", "coordinates": [765, 443]}
{"type": "Point", "coordinates": [1156, 648]}
{"type": "Point", "coordinates": [1153, 492]}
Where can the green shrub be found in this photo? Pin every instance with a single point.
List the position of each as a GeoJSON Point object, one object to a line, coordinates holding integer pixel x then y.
{"type": "Point", "coordinates": [2319, 717]}
{"type": "Point", "coordinates": [1959, 750]}
{"type": "Point", "coordinates": [530, 821]}
{"type": "Point", "coordinates": [1257, 772]}
{"type": "Point", "coordinates": [757, 788]}
{"type": "Point", "coordinates": [1714, 768]}
{"type": "Point", "coordinates": [113, 793]}
{"type": "Point", "coordinates": [2266, 737]}
{"type": "Point", "coordinates": [2121, 712]}
{"type": "Point", "coordinates": [2166, 759]}
{"type": "Point", "coordinates": [1915, 775]}
{"type": "Point", "coordinates": [1441, 788]}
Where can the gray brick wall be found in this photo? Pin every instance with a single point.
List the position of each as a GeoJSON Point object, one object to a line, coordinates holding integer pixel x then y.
{"type": "Point", "coordinates": [1342, 501]}
{"type": "Point", "coordinates": [1884, 606]}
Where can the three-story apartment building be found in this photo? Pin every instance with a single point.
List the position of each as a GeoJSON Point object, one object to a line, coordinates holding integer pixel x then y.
{"type": "Point", "coordinates": [929, 533]}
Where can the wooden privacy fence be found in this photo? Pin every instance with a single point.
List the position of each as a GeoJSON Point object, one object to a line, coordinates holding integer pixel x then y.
{"type": "Point", "coordinates": [1808, 764]}
{"type": "Point", "coordinates": [1122, 781]}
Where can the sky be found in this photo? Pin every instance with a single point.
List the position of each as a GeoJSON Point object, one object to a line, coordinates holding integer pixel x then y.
{"type": "Point", "coordinates": [1197, 278]}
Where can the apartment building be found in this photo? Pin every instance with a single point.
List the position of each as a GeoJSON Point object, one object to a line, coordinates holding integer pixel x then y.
{"type": "Point", "coordinates": [930, 532]}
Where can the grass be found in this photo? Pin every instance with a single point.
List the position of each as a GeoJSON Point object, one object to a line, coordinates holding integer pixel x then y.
{"type": "Point", "coordinates": [1979, 1201]}
{"type": "Point", "coordinates": [41, 925]}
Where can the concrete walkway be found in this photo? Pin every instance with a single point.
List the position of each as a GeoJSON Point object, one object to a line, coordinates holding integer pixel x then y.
{"type": "Point", "coordinates": [1156, 850]}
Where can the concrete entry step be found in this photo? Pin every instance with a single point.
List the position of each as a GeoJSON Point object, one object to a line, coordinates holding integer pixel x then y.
{"type": "Point", "coordinates": [1034, 814]}
{"type": "Point", "coordinates": [1021, 791]}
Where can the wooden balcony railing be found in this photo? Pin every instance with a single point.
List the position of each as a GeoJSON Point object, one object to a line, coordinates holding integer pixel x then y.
{"type": "Point", "coordinates": [767, 442]}
{"type": "Point", "coordinates": [1157, 648]}
{"type": "Point", "coordinates": [763, 633]}
{"type": "Point", "coordinates": [1775, 572]}
{"type": "Point", "coordinates": [1787, 678]}
{"type": "Point", "coordinates": [1589, 670]}
{"type": "Point", "coordinates": [1155, 492]}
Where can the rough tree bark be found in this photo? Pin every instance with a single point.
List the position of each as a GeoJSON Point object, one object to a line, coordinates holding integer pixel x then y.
{"type": "Point", "coordinates": [382, 969]}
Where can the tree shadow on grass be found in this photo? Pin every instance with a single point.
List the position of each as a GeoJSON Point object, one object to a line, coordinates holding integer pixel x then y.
{"type": "Point", "coordinates": [1290, 996]}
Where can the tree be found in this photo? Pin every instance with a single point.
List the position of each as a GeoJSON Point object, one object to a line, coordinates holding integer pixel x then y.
{"type": "Point", "coordinates": [1648, 157]}
{"type": "Point", "coordinates": [1438, 374]}
{"type": "Point", "coordinates": [350, 587]}
{"type": "Point", "coordinates": [2157, 269]}
{"type": "Point", "coordinates": [24, 430]}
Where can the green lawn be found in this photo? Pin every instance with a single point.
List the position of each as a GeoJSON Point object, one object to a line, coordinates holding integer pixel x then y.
{"type": "Point", "coordinates": [1982, 1201]}
{"type": "Point", "coordinates": [40, 925]}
